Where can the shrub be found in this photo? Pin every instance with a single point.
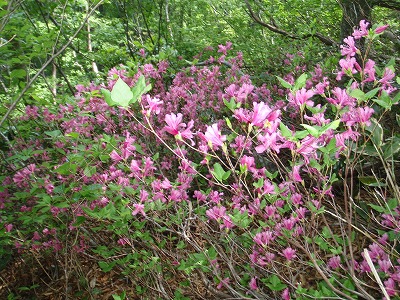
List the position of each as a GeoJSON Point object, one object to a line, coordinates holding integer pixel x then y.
{"type": "Point", "coordinates": [209, 186]}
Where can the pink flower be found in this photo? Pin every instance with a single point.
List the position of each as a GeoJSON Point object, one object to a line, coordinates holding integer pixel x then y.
{"type": "Point", "coordinates": [381, 29]}
{"type": "Point", "coordinates": [115, 156]}
{"type": "Point", "coordinates": [260, 113]}
{"type": "Point", "coordinates": [177, 128]}
{"type": "Point", "coordinates": [139, 209]}
{"type": "Point", "coordinates": [387, 76]}
{"type": "Point", "coordinates": [286, 294]}
{"type": "Point", "coordinates": [302, 97]}
{"type": "Point", "coordinates": [153, 105]}
{"type": "Point", "coordinates": [8, 227]}
{"type": "Point", "coordinates": [390, 287]}
{"type": "Point", "coordinates": [223, 49]}
{"type": "Point", "coordinates": [350, 49]}
{"type": "Point", "coordinates": [384, 265]}
{"type": "Point", "coordinates": [253, 284]}
{"type": "Point", "coordinates": [296, 174]}
{"type": "Point", "coordinates": [174, 123]}
{"type": "Point", "coordinates": [363, 31]}
{"type": "Point", "coordinates": [349, 66]}
{"type": "Point", "coordinates": [289, 253]}
{"type": "Point", "coordinates": [334, 262]}
{"type": "Point", "coordinates": [214, 137]}
{"type": "Point", "coordinates": [264, 238]}
{"type": "Point", "coordinates": [223, 282]}
{"type": "Point", "coordinates": [341, 99]}
{"type": "Point", "coordinates": [369, 71]}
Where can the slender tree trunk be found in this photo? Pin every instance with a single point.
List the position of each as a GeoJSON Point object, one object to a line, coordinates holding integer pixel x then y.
{"type": "Point", "coordinates": [89, 38]}
{"type": "Point", "coordinates": [54, 75]}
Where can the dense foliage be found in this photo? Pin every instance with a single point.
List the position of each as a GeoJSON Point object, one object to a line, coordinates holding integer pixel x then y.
{"type": "Point", "coordinates": [180, 170]}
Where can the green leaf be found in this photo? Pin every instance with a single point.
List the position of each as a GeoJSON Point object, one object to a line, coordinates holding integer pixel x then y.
{"type": "Point", "coordinates": [285, 131]}
{"type": "Point", "coordinates": [121, 93]}
{"type": "Point", "coordinates": [107, 267]}
{"type": "Point", "coordinates": [67, 168]}
{"type": "Point", "coordinates": [284, 83]}
{"type": "Point", "coordinates": [219, 172]}
{"type": "Point", "coordinates": [371, 181]}
{"type": "Point", "coordinates": [107, 97]}
{"type": "Point", "coordinates": [358, 94]}
{"type": "Point", "coordinates": [300, 82]}
{"type": "Point", "coordinates": [315, 132]}
{"type": "Point", "coordinates": [371, 93]}
{"type": "Point", "coordinates": [231, 104]}
{"type": "Point", "coordinates": [332, 125]}
{"type": "Point", "coordinates": [54, 133]}
{"type": "Point", "coordinates": [275, 284]}
{"type": "Point", "coordinates": [391, 148]}
{"type": "Point", "coordinates": [18, 73]}
{"type": "Point", "coordinates": [376, 132]}
{"type": "Point", "coordinates": [89, 171]}
{"type": "Point", "coordinates": [139, 89]}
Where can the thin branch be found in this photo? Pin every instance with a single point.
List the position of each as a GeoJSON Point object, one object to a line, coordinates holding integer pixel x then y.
{"type": "Point", "coordinates": [272, 27]}
{"type": "Point", "coordinates": [48, 62]}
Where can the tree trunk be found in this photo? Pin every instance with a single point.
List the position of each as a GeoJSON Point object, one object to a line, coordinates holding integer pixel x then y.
{"type": "Point", "coordinates": [89, 38]}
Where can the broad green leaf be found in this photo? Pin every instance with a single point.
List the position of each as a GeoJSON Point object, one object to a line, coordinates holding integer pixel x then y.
{"type": "Point", "coordinates": [139, 89]}
{"type": "Point", "coordinates": [284, 83]}
{"type": "Point", "coordinates": [18, 73]}
{"type": "Point", "coordinates": [107, 97]}
{"type": "Point", "coordinates": [67, 168]}
{"type": "Point", "coordinates": [285, 131]}
{"type": "Point", "coordinates": [54, 133]}
{"type": "Point", "coordinates": [371, 93]}
{"type": "Point", "coordinates": [332, 125]}
{"type": "Point", "coordinates": [376, 132]}
{"type": "Point", "coordinates": [391, 148]}
{"type": "Point", "coordinates": [218, 172]}
{"type": "Point", "coordinates": [89, 171]}
{"type": "Point", "coordinates": [121, 93]}
{"type": "Point", "coordinates": [371, 181]}
{"type": "Point", "coordinates": [358, 94]}
{"type": "Point", "coordinates": [315, 132]}
{"type": "Point", "coordinates": [300, 82]}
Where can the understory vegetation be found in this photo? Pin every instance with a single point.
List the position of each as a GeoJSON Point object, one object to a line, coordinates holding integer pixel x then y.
{"type": "Point", "coordinates": [176, 179]}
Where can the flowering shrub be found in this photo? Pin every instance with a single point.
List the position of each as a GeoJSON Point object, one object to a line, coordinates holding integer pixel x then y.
{"type": "Point", "coordinates": [211, 183]}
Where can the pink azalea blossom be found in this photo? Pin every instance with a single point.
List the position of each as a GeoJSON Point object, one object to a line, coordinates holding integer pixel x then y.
{"type": "Point", "coordinates": [381, 29]}
{"type": "Point", "coordinates": [253, 284]}
{"type": "Point", "coordinates": [362, 31]}
{"type": "Point", "coordinates": [177, 128]}
{"type": "Point", "coordinates": [369, 71]}
{"type": "Point", "coordinates": [154, 105]}
{"type": "Point", "coordinates": [334, 262]}
{"type": "Point", "coordinates": [224, 49]}
{"type": "Point", "coordinates": [8, 227]}
{"type": "Point", "coordinates": [223, 282]}
{"type": "Point", "coordinates": [174, 123]}
{"type": "Point", "coordinates": [302, 97]}
{"type": "Point", "coordinates": [286, 294]}
{"type": "Point", "coordinates": [341, 98]}
{"type": "Point", "coordinates": [296, 174]}
{"type": "Point", "coordinates": [214, 137]}
{"type": "Point", "coordinates": [289, 253]}
{"type": "Point", "coordinates": [260, 113]}
{"type": "Point", "coordinates": [350, 48]}
{"type": "Point", "coordinates": [138, 209]}
{"type": "Point", "coordinates": [264, 238]}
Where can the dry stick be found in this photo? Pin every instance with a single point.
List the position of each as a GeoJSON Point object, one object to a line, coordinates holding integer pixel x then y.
{"type": "Point", "coordinates": [378, 279]}
{"type": "Point", "coordinates": [48, 62]}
